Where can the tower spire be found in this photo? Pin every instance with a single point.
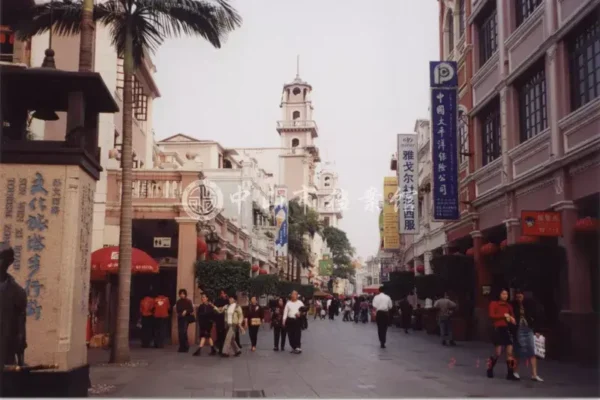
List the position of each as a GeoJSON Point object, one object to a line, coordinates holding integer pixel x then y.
{"type": "Point", "coordinates": [298, 66]}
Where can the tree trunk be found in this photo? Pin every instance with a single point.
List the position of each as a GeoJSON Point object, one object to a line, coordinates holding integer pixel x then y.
{"type": "Point", "coordinates": [120, 345]}
{"type": "Point", "coordinates": [86, 43]}
{"type": "Point", "coordinates": [289, 276]}
{"type": "Point", "coordinates": [298, 271]}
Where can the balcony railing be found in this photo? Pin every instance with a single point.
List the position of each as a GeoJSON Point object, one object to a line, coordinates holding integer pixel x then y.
{"type": "Point", "coordinates": [154, 186]}
{"type": "Point", "coordinates": [297, 124]}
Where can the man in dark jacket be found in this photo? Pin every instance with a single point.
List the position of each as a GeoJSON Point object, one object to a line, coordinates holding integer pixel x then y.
{"type": "Point", "coordinates": [219, 318]}
{"type": "Point", "coordinates": [13, 305]}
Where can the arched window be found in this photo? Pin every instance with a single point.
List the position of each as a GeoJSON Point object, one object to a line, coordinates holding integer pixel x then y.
{"type": "Point", "coordinates": [227, 164]}
{"type": "Point", "coordinates": [296, 91]}
{"type": "Point", "coordinates": [296, 115]}
{"type": "Point", "coordinates": [295, 142]}
{"type": "Point", "coordinates": [449, 31]}
{"type": "Point", "coordinates": [327, 181]}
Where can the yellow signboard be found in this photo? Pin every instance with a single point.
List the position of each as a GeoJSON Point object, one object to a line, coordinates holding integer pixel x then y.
{"type": "Point", "coordinates": [391, 236]}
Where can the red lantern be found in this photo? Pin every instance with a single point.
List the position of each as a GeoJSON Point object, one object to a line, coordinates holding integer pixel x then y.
{"type": "Point", "coordinates": [263, 272]}
{"type": "Point", "coordinates": [255, 268]}
{"type": "Point", "coordinates": [528, 239]}
{"type": "Point", "coordinates": [420, 269]}
{"type": "Point", "coordinates": [489, 248]}
{"type": "Point", "coordinates": [201, 247]}
{"type": "Point", "coordinates": [503, 244]}
{"type": "Point", "coordinates": [587, 224]}
{"type": "Point", "coordinates": [471, 251]}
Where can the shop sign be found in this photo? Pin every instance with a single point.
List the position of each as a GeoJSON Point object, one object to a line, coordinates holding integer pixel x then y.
{"type": "Point", "coordinates": [162, 242]}
{"type": "Point", "coordinates": [408, 163]}
{"type": "Point", "coordinates": [391, 237]}
{"type": "Point", "coordinates": [541, 223]}
{"type": "Point", "coordinates": [444, 146]}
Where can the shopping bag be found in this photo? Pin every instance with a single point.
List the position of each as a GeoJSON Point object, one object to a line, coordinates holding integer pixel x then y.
{"type": "Point", "coordinates": [539, 343]}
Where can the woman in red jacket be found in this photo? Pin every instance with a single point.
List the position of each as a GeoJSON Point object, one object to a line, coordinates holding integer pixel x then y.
{"type": "Point", "coordinates": [501, 314]}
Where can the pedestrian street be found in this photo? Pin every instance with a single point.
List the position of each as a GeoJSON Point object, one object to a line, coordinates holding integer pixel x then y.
{"type": "Point", "coordinates": [339, 359]}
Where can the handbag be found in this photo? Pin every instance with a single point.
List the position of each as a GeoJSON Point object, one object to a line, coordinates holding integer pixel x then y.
{"type": "Point", "coordinates": [255, 321]}
{"type": "Point", "coordinates": [539, 344]}
{"type": "Point", "coordinates": [190, 318]}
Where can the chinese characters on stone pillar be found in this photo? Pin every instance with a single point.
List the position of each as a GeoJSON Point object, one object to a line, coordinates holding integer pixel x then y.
{"type": "Point", "coordinates": [26, 221]}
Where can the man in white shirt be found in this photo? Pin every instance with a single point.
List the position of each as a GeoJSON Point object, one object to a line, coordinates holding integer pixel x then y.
{"type": "Point", "coordinates": [382, 303]}
{"type": "Point", "coordinates": [293, 323]}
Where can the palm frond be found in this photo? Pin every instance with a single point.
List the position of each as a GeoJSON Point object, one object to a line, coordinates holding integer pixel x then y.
{"type": "Point", "coordinates": [212, 20]}
{"type": "Point", "coordinates": [63, 15]}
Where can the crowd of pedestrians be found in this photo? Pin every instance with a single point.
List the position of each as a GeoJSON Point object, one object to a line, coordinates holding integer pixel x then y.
{"type": "Point", "coordinates": [230, 320]}
{"type": "Point", "coordinates": [515, 323]}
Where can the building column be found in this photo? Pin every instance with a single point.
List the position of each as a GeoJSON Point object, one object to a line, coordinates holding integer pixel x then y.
{"type": "Point", "coordinates": [556, 138]}
{"type": "Point", "coordinates": [513, 230]}
{"type": "Point", "coordinates": [579, 324]}
{"type": "Point", "coordinates": [186, 279]}
{"type": "Point", "coordinates": [427, 263]}
{"type": "Point", "coordinates": [482, 278]}
{"type": "Point", "coordinates": [578, 277]}
{"type": "Point", "coordinates": [446, 249]}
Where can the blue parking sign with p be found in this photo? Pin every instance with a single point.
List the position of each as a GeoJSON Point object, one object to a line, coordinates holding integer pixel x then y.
{"type": "Point", "coordinates": [443, 74]}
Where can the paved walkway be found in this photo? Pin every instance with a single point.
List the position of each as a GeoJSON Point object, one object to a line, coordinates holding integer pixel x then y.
{"type": "Point", "coordinates": [339, 360]}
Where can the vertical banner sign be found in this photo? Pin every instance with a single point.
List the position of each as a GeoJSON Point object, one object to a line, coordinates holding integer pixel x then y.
{"type": "Point", "coordinates": [391, 236]}
{"type": "Point", "coordinates": [408, 164]}
{"type": "Point", "coordinates": [444, 144]}
{"type": "Point", "coordinates": [281, 219]}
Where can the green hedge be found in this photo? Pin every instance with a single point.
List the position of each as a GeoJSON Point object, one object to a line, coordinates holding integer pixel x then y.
{"type": "Point", "coordinates": [214, 275]}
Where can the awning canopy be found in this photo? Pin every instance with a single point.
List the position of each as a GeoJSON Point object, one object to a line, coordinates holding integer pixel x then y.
{"type": "Point", "coordinates": [372, 289]}
{"type": "Point", "coordinates": [106, 261]}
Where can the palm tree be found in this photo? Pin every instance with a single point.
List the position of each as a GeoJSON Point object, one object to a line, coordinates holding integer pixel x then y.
{"type": "Point", "coordinates": [137, 27]}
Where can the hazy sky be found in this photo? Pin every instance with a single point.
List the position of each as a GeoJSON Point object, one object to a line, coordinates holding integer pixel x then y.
{"type": "Point", "coordinates": [366, 60]}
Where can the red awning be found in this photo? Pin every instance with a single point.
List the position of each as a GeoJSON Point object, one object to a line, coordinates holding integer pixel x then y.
{"type": "Point", "coordinates": [106, 260]}
{"type": "Point", "coordinates": [373, 289]}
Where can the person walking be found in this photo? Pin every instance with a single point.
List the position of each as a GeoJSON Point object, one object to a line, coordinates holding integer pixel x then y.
{"type": "Point", "coordinates": [406, 312]}
{"type": "Point", "coordinates": [279, 332]}
{"type": "Point", "coordinates": [347, 311]}
{"type": "Point", "coordinates": [525, 311]}
{"type": "Point", "coordinates": [331, 308]}
{"type": "Point", "coordinates": [357, 309]}
{"type": "Point", "coordinates": [185, 316]}
{"type": "Point", "coordinates": [502, 315]}
{"type": "Point", "coordinates": [221, 303]}
{"type": "Point", "coordinates": [147, 316]}
{"type": "Point", "coordinates": [382, 303]}
{"type": "Point", "coordinates": [205, 316]}
{"type": "Point", "coordinates": [254, 320]}
{"type": "Point", "coordinates": [292, 315]}
{"type": "Point", "coordinates": [234, 317]}
{"type": "Point", "coordinates": [317, 309]}
{"type": "Point", "coordinates": [445, 307]}
{"type": "Point", "coordinates": [162, 308]}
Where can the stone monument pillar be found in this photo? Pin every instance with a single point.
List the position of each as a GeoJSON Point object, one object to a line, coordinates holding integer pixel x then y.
{"type": "Point", "coordinates": [46, 199]}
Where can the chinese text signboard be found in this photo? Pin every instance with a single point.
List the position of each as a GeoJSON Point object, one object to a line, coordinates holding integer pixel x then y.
{"type": "Point", "coordinates": [281, 219]}
{"type": "Point", "coordinates": [408, 164]}
{"type": "Point", "coordinates": [391, 237]}
{"type": "Point", "coordinates": [541, 223]}
{"type": "Point", "coordinates": [444, 145]}
{"type": "Point", "coordinates": [30, 206]}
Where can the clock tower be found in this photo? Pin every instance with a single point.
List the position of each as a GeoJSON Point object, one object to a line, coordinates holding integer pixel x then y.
{"type": "Point", "coordinates": [298, 132]}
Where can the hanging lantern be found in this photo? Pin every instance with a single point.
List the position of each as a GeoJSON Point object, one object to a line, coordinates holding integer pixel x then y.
{"type": "Point", "coordinates": [201, 247]}
{"type": "Point", "coordinates": [489, 248]}
{"type": "Point", "coordinates": [255, 268]}
{"type": "Point", "coordinates": [471, 251]}
{"type": "Point", "coordinates": [503, 244]}
{"type": "Point", "coordinates": [587, 224]}
{"type": "Point", "coordinates": [420, 269]}
{"type": "Point", "coordinates": [263, 272]}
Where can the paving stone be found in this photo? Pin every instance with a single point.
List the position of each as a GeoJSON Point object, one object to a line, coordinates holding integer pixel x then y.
{"type": "Point", "coordinates": [339, 360]}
